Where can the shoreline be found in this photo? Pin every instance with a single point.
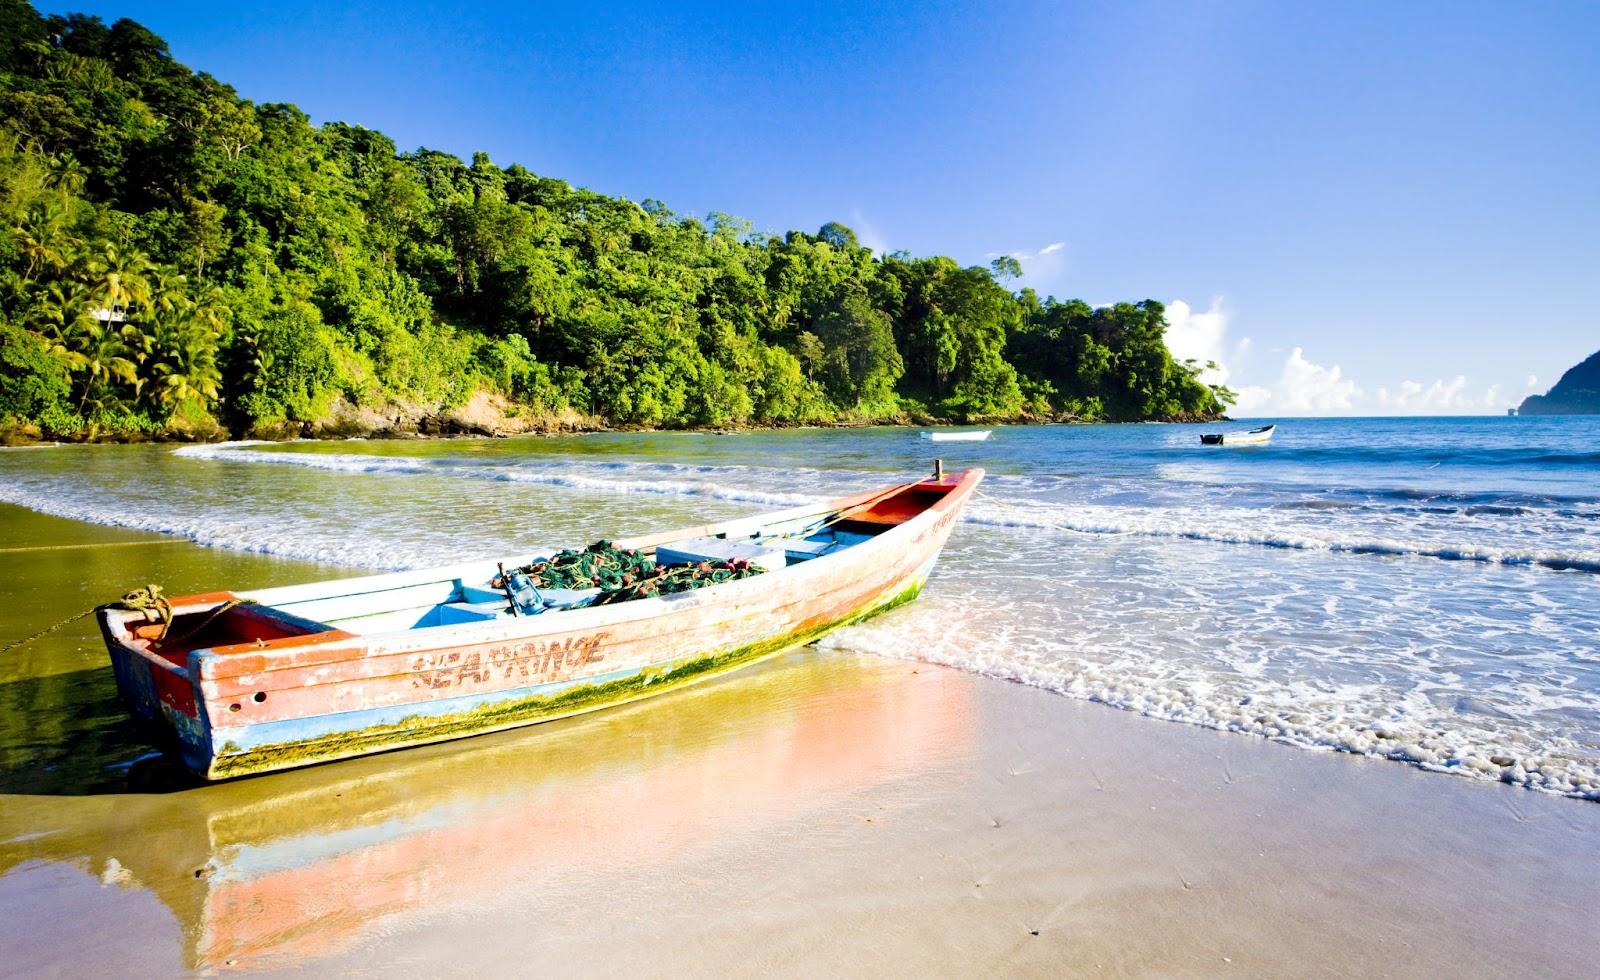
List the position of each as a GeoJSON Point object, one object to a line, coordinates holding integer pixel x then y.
{"type": "Point", "coordinates": [12, 440]}
{"type": "Point", "coordinates": [486, 416]}
{"type": "Point", "coordinates": [824, 811]}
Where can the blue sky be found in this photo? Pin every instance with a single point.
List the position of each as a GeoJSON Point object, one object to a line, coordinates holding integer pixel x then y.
{"type": "Point", "coordinates": [1362, 208]}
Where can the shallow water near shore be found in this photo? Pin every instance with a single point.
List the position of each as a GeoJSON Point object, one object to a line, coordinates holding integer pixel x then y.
{"type": "Point", "coordinates": [1424, 589]}
{"type": "Point", "coordinates": [832, 810]}
{"type": "Point", "coordinates": [826, 812]}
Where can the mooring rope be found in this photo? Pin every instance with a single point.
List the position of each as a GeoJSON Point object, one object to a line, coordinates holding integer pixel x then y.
{"type": "Point", "coordinates": [44, 632]}
{"type": "Point", "coordinates": [143, 600]}
{"type": "Point", "coordinates": [79, 547]}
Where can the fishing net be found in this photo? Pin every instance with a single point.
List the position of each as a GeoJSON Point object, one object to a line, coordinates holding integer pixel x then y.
{"type": "Point", "coordinates": [624, 573]}
{"type": "Point", "coordinates": [602, 565]}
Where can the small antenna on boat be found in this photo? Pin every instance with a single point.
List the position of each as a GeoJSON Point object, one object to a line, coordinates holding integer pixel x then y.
{"type": "Point", "coordinates": [938, 471]}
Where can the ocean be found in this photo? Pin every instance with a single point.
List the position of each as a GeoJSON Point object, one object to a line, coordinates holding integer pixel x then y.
{"type": "Point", "coordinates": [1425, 590]}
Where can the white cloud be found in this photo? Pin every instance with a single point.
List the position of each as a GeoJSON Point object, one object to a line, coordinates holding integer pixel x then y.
{"type": "Point", "coordinates": [1441, 398]}
{"type": "Point", "coordinates": [1304, 387]}
{"type": "Point", "coordinates": [1252, 399]}
{"type": "Point", "coordinates": [1413, 397]}
{"type": "Point", "coordinates": [1039, 269]}
{"type": "Point", "coordinates": [867, 233]}
{"type": "Point", "coordinates": [1444, 397]}
{"type": "Point", "coordinates": [1202, 337]}
{"type": "Point", "coordinates": [1308, 388]}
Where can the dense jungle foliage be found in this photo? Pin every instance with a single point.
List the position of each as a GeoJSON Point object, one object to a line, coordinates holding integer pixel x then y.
{"type": "Point", "coordinates": [176, 255]}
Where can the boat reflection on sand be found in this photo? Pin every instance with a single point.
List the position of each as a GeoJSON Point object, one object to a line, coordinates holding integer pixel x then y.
{"type": "Point", "coordinates": [281, 870]}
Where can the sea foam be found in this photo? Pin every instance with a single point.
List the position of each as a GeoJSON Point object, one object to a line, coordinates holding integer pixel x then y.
{"type": "Point", "coordinates": [1327, 609]}
{"type": "Point", "coordinates": [570, 477]}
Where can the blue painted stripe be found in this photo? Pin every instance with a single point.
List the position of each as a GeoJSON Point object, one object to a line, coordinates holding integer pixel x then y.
{"type": "Point", "coordinates": [294, 730]}
{"type": "Point", "coordinates": [291, 730]}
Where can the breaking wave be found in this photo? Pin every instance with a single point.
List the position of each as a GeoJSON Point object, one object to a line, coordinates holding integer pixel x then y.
{"type": "Point", "coordinates": [1110, 521]}
{"type": "Point", "coordinates": [1304, 713]}
{"type": "Point", "coordinates": [568, 477]}
{"type": "Point", "coordinates": [1217, 524]}
{"type": "Point", "coordinates": [213, 531]}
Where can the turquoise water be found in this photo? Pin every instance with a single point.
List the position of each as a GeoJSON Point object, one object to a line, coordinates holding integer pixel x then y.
{"type": "Point", "coordinates": [1422, 589]}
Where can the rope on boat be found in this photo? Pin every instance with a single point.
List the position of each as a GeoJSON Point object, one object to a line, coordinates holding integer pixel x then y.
{"type": "Point", "coordinates": [669, 579]}
{"type": "Point", "coordinates": [148, 600]}
{"type": "Point", "coordinates": [210, 617]}
{"type": "Point", "coordinates": [626, 573]}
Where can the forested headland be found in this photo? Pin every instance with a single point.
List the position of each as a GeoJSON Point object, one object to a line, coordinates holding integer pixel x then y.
{"type": "Point", "coordinates": [1577, 393]}
{"type": "Point", "coordinates": [180, 262]}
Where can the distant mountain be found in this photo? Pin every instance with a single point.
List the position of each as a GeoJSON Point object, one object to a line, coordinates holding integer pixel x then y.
{"type": "Point", "coordinates": [1577, 393]}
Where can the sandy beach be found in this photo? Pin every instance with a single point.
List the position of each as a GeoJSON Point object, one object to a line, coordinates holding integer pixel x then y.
{"type": "Point", "coordinates": [823, 812]}
{"type": "Point", "coordinates": [931, 490]}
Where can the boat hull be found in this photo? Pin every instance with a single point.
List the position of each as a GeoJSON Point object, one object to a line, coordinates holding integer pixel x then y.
{"type": "Point", "coordinates": [334, 695]}
{"type": "Point", "coordinates": [1254, 437]}
{"type": "Point", "coordinates": [957, 436]}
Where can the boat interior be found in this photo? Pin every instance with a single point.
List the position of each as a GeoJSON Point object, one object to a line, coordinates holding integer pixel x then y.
{"type": "Point", "coordinates": [465, 594]}
{"type": "Point", "coordinates": [471, 598]}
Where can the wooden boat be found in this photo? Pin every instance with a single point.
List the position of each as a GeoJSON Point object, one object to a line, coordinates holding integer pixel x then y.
{"type": "Point", "coordinates": [1254, 437]}
{"type": "Point", "coordinates": [969, 435]}
{"type": "Point", "coordinates": [250, 682]}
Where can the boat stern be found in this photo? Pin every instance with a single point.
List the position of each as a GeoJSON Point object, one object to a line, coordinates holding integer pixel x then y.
{"type": "Point", "coordinates": [158, 688]}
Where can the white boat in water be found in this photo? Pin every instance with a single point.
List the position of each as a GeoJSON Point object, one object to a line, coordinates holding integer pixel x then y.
{"type": "Point", "coordinates": [1254, 437]}
{"type": "Point", "coordinates": [964, 436]}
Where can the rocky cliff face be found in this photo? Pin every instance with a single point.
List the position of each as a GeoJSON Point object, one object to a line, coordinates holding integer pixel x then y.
{"type": "Point", "coordinates": [1577, 393]}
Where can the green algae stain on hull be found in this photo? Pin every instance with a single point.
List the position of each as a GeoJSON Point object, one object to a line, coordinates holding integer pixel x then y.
{"type": "Point", "coordinates": [230, 761]}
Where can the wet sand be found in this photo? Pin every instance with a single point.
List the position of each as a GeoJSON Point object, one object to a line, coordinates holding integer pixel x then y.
{"type": "Point", "coordinates": [820, 812]}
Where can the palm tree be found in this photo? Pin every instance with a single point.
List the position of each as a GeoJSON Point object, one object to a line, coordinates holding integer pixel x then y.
{"type": "Point", "coordinates": [185, 369]}
{"type": "Point", "coordinates": [43, 239]}
{"type": "Point", "coordinates": [211, 309]}
{"type": "Point", "coordinates": [119, 277]}
{"type": "Point", "coordinates": [103, 358]}
{"type": "Point", "coordinates": [68, 175]}
{"type": "Point", "coordinates": [169, 291]}
{"type": "Point", "coordinates": [83, 343]}
{"type": "Point", "coordinates": [58, 313]}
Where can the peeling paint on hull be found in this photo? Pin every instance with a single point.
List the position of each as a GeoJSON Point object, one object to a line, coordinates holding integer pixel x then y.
{"type": "Point", "coordinates": [311, 693]}
{"type": "Point", "coordinates": [230, 762]}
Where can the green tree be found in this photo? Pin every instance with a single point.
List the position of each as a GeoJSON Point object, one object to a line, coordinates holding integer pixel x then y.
{"type": "Point", "coordinates": [861, 361]}
{"type": "Point", "coordinates": [257, 265]}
